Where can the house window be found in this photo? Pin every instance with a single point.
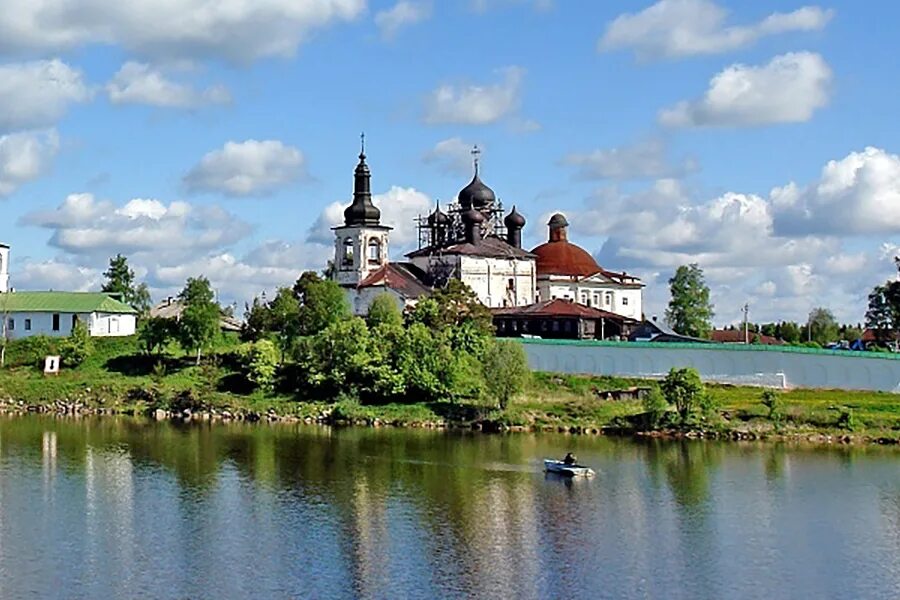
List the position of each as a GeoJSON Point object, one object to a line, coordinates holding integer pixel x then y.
{"type": "Point", "coordinates": [374, 251]}
{"type": "Point", "coordinates": [348, 251]}
{"type": "Point", "coordinates": [74, 320]}
{"type": "Point", "coordinates": [585, 299]}
{"type": "Point", "coordinates": [609, 298]}
{"type": "Point", "coordinates": [597, 299]}
{"type": "Point", "coordinates": [11, 324]}
{"type": "Point", "coordinates": [555, 325]}
{"type": "Point", "coordinates": [55, 322]}
{"type": "Point", "coordinates": [27, 324]}
{"type": "Point", "coordinates": [511, 284]}
{"type": "Point", "coordinates": [624, 301]}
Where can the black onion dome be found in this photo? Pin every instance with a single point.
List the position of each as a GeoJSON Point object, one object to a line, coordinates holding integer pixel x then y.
{"type": "Point", "coordinates": [438, 218]}
{"type": "Point", "coordinates": [557, 221]}
{"type": "Point", "coordinates": [472, 216]}
{"type": "Point", "coordinates": [362, 211]}
{"type": "Point", "coordinates": [514, 220]}
{"type": "Point", "coordinates": [476, 194]}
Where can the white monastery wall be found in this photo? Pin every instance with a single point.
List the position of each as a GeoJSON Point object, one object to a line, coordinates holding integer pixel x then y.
{"type": "Point", "coordinates": [745, 365]}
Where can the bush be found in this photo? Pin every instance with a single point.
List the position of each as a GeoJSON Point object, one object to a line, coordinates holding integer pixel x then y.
{"type": "Point", "coordinates": [259, 361]}
{"type": "Point", "coordinates": [683, 389]}
{"type": "Point", "coordinates": [656, 407]}
{"type": "Point", "coordinates": [30, 351]}
{"type": "Point", "coordinates": [771, 399]}
{"type": "Point", "coordinates": [75, 349]}
{"type": "Point", "coordinates": [845, 418]}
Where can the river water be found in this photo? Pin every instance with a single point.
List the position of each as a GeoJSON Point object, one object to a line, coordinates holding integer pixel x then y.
{"type": "Point", "coordinates": [119, 508]}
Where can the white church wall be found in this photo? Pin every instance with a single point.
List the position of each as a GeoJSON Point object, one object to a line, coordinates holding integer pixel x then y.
{"type": "Point", "coordinates": [361, 299]}
{"type": "Point", "coordinates": [353, 258]}
{"type": "Point", "coordinates": [499, 282]}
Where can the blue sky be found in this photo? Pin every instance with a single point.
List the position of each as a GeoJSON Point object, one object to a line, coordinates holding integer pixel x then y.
{"type": "Point", "coordinates": [757, 139]}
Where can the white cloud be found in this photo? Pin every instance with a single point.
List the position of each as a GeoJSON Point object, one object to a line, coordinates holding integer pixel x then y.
{"type": "Point", "coordinates": [452, 155]}
{"type": "Point", "coordinates": [247, 168]}
{"type": "Point", "coordinates": [36, 94]}
{"type": "Point", "coordinates": [789, 89]}
{"type": "Point", "coordinates": [403, 14]}
{"type": "Point", "coordinates": [476, 104]}
{"type": "Point", "coordinates": [823, 244]}
{"type": "Point", "coordinates": [647, 159]}
{"type": "Point", "coordinates": [25, 156]}
{"type": "Point", "coordinates": [139, 83]}
{"type": "Point", "coordinates": [399, 208]}
{"type": "Point", "coordinates": [676, 28]}
{"type": "Point", "coordinates": [236, 279]}
{"type": "Point", "coordinates": [174, 231]}
{"type": "Point", "coordinates": [237, 30]}
{"type": "Point", "coordinates": [858, 194]}
{"type": "Point", "coordinates": [54, 274]}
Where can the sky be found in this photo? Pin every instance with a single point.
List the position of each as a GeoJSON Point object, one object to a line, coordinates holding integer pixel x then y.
{"type": "Point", "coordinates": [758, 140]}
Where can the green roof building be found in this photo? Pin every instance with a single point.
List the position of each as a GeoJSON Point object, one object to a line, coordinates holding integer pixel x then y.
{"type": "Point", "coordinates": [55, 314]}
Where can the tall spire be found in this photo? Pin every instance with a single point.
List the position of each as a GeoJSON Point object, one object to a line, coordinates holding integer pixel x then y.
{"type": "Point", "coordinates": [476, 153]}
{"type": "Point", "coordinates": [362, 211]}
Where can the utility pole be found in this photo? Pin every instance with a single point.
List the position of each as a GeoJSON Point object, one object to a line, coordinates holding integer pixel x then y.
{"type": "Point", "coordinates": [746, 311]}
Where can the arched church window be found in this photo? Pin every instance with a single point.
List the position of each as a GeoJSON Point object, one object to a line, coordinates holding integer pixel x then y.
{"type": "Point", "coordinates": [374, 251]}
{"type": "Point", "coordinates": [348, 251]}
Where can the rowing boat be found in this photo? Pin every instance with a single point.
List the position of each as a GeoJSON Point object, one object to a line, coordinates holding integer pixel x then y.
{"type": "Point", "coordinates": [558, 466]}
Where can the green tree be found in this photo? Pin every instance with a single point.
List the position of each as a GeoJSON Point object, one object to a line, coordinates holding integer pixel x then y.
{"type": "Point", "coordinates": [384, 310]}
{"type": "Point", "coordinates": [690, 311]}
{"type": "Point", "coordinates": [120, 280]}
{"type": "Point", "coordinates": [506, 371]}
{"type": "Point", "coordinates": [456, 311]}
{"type": "Point", "coordinates": [323, 303]}
{"type": "Point", "coordinates": [771, 399]}
{"type": "Point", "coordinates": [155, 333]}
{"type": "Point", "coordinates": [883, 313]}
{"type": "Point", "coordinates": [790, 332]}
{"type": "Point", "coordinates": [340, 359]}
{"type": "Point", "coordinates": [284, 312]}
{"type": "Point", "coordinates": [199, 322]}
{"type": "Point", "coordinates": [76, 348]}
{"type": "Point", "coordinates": [683, 389]}
{"type": "Point", "coordinates": [822, 327]}
{"type": "Point", "coordinates": [259, 360]}
{"type": "Point", "coordinates": [257, 320]}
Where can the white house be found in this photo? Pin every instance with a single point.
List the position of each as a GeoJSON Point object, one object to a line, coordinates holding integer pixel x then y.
{"type": "Point", "coordinates": [55, 313]}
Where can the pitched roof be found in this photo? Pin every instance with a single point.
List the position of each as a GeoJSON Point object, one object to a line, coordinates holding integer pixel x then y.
{"type": "Point", "coordinates": [736, 336]}
{"type": "Point", "coordinates": [489, 247]}
{"type": "Point", "coordinates": [404, 278]}
{"type": "Point", "coordinates": [558, 308]}
{"type": "Point", "coordinates": [171, 308]}
{"type": "Point", "coordinates": [658, 331]}
{"type": "Point", "coordinates": [63, 302]}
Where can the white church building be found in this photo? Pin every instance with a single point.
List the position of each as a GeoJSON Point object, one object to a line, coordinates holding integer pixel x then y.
{"type": "Point", "coordinates": [474, 242]}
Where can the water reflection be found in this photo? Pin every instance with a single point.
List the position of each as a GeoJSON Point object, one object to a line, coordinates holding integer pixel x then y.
{"type": "Point", "coordinates": [117, 507]}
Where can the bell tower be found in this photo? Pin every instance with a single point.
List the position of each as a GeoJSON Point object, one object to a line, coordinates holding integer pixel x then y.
{"type": "Point", "coordinates": [361, 243]}
{"type": "Point", "coordinates": [4, 268]}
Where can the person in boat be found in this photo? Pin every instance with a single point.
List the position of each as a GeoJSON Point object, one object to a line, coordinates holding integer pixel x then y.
{"type": "Point", "coordinates": [570, 459]}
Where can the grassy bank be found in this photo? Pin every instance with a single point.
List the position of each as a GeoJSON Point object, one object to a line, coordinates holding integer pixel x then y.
{"type": "Point", "coordinates": [116, 378]}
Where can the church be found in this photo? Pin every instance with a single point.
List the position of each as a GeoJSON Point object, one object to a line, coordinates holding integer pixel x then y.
{"type": "Point", "coordinates": [477, 242]}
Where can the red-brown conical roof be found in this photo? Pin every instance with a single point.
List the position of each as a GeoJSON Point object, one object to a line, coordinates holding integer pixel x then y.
{"type": "Point", "coordinates": [559, 257]}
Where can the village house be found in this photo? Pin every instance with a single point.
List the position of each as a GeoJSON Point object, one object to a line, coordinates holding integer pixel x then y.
{"type": "Point", "coordinates": [55, 313]}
